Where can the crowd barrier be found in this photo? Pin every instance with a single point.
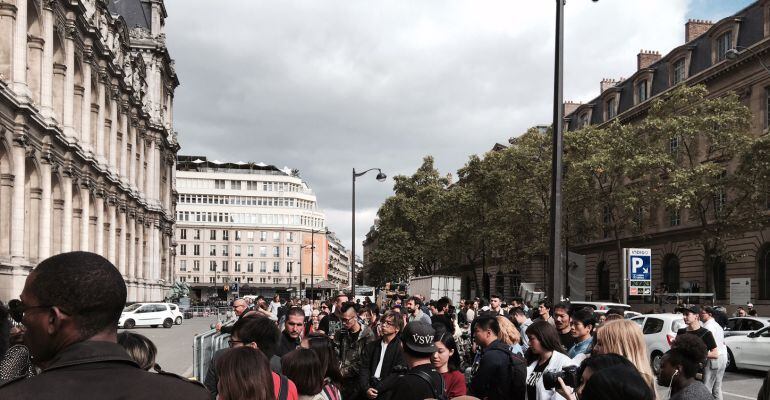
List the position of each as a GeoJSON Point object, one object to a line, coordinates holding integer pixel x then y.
{"type": "Point", "coordinates": [207, 343]}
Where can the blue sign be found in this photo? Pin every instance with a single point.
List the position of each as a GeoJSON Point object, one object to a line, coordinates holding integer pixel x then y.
{"type": "Point", "coordinates": [640, 264]}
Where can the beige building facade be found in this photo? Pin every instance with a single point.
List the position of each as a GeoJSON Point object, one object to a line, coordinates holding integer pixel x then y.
{"type": "Point", "coordinates": [246, 223]}
{"type": "Point", "coordinates": [87, 147]}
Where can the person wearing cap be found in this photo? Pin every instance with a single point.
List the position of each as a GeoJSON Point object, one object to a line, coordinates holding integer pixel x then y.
{"type": "Point", "coordinates": [421, 380]}
{"type": "Point", "coordinates": [715, 368]}
{"type": "Point", "coordinates": [691, 315]}
{"type": "Point", "coordinates": [752, 311]}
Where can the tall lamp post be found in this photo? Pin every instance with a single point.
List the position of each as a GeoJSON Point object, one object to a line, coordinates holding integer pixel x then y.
{"type": "Point", "coordinates": [312, 261]}
{"type": "Point", "coordinates": [556, 256]}
{"type": "Point", "coordinates": [380, 177]}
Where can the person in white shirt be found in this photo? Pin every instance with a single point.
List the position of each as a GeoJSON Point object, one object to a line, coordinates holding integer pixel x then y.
{"type": "Point", "coordinates": [275, 305]}
{"type": "Point", "coordinates": [544, 344]}
{"type": "Point", "coordinates": [714, 370]}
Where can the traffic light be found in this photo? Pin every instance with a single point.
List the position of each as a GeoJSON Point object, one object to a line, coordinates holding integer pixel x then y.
{"type": "Point", "coordinates": [234, 287]}
{"type": "Point", "coordinates": [226, 288]}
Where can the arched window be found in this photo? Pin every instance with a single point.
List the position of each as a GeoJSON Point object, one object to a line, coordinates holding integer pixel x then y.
{"type": "Point", "coordinates": [763, 266]}
{"type": "Point", "coordinates": [671, 273]}
{"type": "Point", "coordinates": [603, 276]}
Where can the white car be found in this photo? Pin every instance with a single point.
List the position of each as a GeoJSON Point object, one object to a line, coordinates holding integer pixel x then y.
{"type": "Point", "coordinates": [750, 351]}
{"type": "Point", "coordinates": [178, 316]}
{"type": "Point", "coordinates": [599, 305]}
{"type": "Point", "coordinates": [659, 331]}
{"type": "Point", "coordinates": [627, 314]}
{"type": "Point", "coordinates": [742, 326]}
{"type": "Point", "coordinates": [146, 314]}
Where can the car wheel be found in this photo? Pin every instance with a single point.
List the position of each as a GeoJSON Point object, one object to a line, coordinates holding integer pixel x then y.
{"type": "Point", "coordinates": [129, 324]}
{"type": "Point", "coordinates": [168, 323]}
{"type": "Point", "coordinates": [178, 320]}
{"type": "Point", "coordinates": [655, 362]}
{"type": "Point", "coordinates": [731, 361]}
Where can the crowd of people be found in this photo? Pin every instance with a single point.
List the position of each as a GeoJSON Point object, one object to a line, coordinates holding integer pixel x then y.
{"type": "Point", "coordinates": [65, 344]}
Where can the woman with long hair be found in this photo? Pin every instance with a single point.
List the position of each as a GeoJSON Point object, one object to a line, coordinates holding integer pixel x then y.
{"type": "Point", "coordinates": [510, 335]}
{"type": "Point", "coordinates": [140, 349]}
{"type": "Point", "coordinates": [329, 365]}
{"type": "Point", "coordinates": [446, 360]}
{"type": "Point", "coordinates": [625, 337]}
{"type": "Point", "coordinates": [547, 354]}
{"type": "Point", "coordinates": [303, 367]}
{"type": "Point", "coordinates": [244, 374]}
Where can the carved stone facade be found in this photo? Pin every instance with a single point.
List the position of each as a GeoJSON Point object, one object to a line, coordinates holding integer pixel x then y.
{"type": "Point", "coordinates": [87, 149]}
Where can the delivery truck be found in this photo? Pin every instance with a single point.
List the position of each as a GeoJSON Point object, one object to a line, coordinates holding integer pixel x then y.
{"type": "Point", "coordinates": [434, 287]}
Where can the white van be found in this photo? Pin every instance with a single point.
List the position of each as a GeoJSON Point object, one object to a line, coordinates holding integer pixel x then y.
{"type": "Point", "coordinates": [146, 314]}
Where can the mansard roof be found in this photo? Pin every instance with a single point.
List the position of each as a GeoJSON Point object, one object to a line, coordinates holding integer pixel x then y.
{"type": "Point", "coordinates": [751, 20]}
{"type": "Point", "coordinates": [135, 12]}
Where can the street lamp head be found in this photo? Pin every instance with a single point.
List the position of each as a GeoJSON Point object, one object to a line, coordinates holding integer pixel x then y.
{"type": "Point", "coordinates": [381, 177]}
{"type": "Point", "coordinates": [731, 54]}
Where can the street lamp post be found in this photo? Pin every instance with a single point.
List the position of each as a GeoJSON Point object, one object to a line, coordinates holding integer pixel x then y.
{"type": "Point", "coordinates": [380, 177]}
{"type": "Point", "coordinates": [734, 53]}
{"type": "Point", "coordinates": [556, 256]}
{"type": "Point", "coordinates": [312, 261]}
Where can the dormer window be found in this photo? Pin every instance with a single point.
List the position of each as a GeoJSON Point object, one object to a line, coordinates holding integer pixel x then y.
{"type": "Point", "coordinates": [679, 74]}
{"type": "Point", "coordinates": [724, 42]}
{"type": "Point", "coordinates": [583, 120]}
{"type": "Point", "coordinates": [641, 91]}
{"type": "Point", "coordinates": [611, 108]}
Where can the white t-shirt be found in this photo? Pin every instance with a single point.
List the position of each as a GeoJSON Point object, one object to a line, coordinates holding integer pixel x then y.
{"type": "Point", "coordinates": [719, 335]}
{"type": "Point", "coordinates": [308, 309]}
{"type": "Point", "coordinates": [378, 371]}
{"type": "Point", "coordinates": [274, 306]}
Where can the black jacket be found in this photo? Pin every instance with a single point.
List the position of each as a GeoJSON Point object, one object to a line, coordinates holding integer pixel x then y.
{"type": "Point", "coordinates": [100, 370]}
{"type": "Point", "coordinates": [499, 365]}
{"type": "Point", "coordinates": [394, 356]}
{"type": "Point", "coordinates": [409, 386]}
{"type": "Point", "coordinates": [286, 344]}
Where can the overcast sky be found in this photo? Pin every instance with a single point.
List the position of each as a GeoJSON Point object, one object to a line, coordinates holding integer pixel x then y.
{"type": "Point", "coordinates": [325, 86]}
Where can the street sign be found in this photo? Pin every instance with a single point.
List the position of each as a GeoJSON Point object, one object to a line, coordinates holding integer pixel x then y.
{"type": "Point", "coordinates": [639, 268]}
{"type": "Point", "coordinates": [740, 291]}
{"type": "Point", "coordinates": [234, 287]}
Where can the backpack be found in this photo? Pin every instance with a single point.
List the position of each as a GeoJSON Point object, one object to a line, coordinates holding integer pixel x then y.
{"type": "Point", "coordinates": [283, 390]}
{"type": "Point", "coordinates": [517, 370]}
{"type": "Point", "coordinates": [424, 376]}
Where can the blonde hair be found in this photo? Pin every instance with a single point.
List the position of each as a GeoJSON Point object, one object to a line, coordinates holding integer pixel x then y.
{"type": "Point", "coordinates": [624, 337]}
{"type": "Point", "coordinates": [509, 334]}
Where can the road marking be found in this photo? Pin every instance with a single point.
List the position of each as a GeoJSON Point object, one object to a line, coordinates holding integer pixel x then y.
{"type": "Point", "coordinates": [738, 396]}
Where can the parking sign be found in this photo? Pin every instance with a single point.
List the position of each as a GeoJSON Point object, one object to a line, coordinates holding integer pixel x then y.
{"type": "Point", "coordinates": [639, 264]}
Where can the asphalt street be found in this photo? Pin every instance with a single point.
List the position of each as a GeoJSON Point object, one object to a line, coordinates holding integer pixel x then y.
{"type": "Point", "coordinates": [175, 345]}
{"type": "Point", "coordinates": [175, 355]}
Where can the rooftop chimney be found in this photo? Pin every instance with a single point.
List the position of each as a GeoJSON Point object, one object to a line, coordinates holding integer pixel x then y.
{"type": "Point", "coordinates": [645, 58]}
{"type": "Point", "coordinates": [570, 107]}
{"type": "Point", "coordinates": [695, 27]}
{"type": "Point", "coordinates": [605, 84]}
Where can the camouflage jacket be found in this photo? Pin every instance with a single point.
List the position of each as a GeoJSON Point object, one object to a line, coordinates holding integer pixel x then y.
{"type": "Point", "coordinates": [349, 351]}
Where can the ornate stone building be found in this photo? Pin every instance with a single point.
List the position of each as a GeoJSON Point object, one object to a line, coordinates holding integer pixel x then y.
{"type": "Point", "coordinates": [87, 150]}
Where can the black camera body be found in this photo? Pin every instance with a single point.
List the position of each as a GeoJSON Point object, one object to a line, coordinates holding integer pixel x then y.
{"type": "Point", "coordinates": [569, 374]}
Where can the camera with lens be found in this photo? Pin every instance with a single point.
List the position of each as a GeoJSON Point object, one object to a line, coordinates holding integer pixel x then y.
{"type": "Point", "coordinates": [568, 374]}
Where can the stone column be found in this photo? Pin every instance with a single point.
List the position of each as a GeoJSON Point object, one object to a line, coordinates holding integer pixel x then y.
{"type": "Point", "coordinates": [17, 200]}
{"type": "Point", "coordinates": [20, 51]}
{"type": "Point", "coordinates": [66, 229]}
{"type": "Point", "coordinates": [85, 219]}
{"type": "Point", "coordinates": [132, 248]}
{"type": "Point", "coordinates": [99, 239]}
{"type": "Point", "coordinates": [122, 244]}
{"type": "Point", "coordinates": [140, 249]}
{"type": "Point", "coordinates": [44, 247]}
{"type": "Point", "coordinates": [124, 149]}
{"type": "Point", "coordinates": [114, 135]}
{"type": "Point", "coordinates": [85, 109]}
{"type": "Point", "coordinates": [46, 88]}
{"type": "Point", "coordinates": [132, 156]}
{"type": "Point", "coordinates": [99, 151]}
{"type": "Point", "coordinates": [113, 231]}
{"type": "Point", "coordinates": [150, 190]}
{"type": "Point", "coordinates": [140, 178]}
{"type": "Point", "coordinates": [69, 88]}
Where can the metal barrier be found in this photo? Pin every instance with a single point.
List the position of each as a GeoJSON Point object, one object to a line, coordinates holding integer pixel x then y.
{"type": "Point", "coordinates": [204, 346]}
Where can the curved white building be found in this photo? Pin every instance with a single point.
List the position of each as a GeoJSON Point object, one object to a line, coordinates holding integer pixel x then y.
{"type": "Point", "coordinates": [246, 223]}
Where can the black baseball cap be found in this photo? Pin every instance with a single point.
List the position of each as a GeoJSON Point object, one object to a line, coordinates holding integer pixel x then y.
{"type": "Point", "coordinates": [418, 336]}
{"type": "Point", "coordinates": [691, 309]}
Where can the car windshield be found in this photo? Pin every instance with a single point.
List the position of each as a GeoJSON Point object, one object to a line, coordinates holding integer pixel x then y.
{"type": "Point", "coordinates": [132, 307]}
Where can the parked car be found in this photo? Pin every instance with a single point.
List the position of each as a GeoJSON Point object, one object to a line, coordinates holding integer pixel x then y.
{"type": "Point", "coordinates": [627, 314]}
{"type": "Point", "coordinates": [178, 316]}
{"type": "Point", "coordinates": [599, 305]}
{"type": "Point", "coordinates": [742, 326]}
{"type": "Point", "coordinates": [751, 351]}
{"type": "Point", "coordinates": [659, 331]}
{"type": "Point", "coordinates": [146, 314]}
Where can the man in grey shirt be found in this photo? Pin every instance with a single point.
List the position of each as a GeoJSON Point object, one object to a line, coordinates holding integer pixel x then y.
{"type": "Point", "coordinates": [413, 306]}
